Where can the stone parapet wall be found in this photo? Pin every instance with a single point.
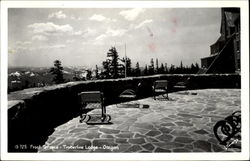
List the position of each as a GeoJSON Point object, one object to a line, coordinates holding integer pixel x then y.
{"type": "Point", "coordinates": [34, 113]}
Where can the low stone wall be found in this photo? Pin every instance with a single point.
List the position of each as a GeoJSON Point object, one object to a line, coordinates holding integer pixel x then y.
{"type": "Point", "coordinates": [34, 113]}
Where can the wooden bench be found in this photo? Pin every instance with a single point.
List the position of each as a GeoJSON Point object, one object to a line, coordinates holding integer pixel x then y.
{"type": "Point", "coordinates": [160, 87]}
{"type": "Point", "coordinates": [88, 97]}
{"type": "Point", "coordinates": [182, 85]}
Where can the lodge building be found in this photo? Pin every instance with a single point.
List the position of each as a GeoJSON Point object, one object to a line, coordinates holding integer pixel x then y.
{"type": "Point", "coordinates": [225, 52]}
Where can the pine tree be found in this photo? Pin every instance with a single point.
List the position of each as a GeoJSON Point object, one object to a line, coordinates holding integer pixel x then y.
{"type": "Point", "coordinates": [197, 67]}
{"type": "Point", "coordinates": [106, 67]}
{"type": "Point", "coordinates": [151, 69]}
{"type": "Point", "coordinates": [96, 72]}
{"type": "Point", "coordinates": [57, 71]}
{"type": "Point", "coordinates": [89, 74]}
{"type": "Point", "coordinates": [180, 69]}
{"type": "Point", "coordinates": [113, 57]}
{"type": "Point", "coordinates": [172, 69]}
{"type": "Point", "coordinates": [116, 69]}
{"type": "Point", "coordinates": [193, 69]}
{"type": "Point", "coordinates": [146, 70]}
{"type": "Point", "coordinates": [137, 69]}
{"type": "Point", "coordinates": [181, 65]}
{"type": "Point", "coordinates": [112, 68]}
{"type": "Point", "coordinates": [166, 68]}
{"type": "Point", "coordinates": [128, 66]}
{"type": "Point", "coordinates": [157, 66]}
{"type": "Point", "coordinates": [161, 70]}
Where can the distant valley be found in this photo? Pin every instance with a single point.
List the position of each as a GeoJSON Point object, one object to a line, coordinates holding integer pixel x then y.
{"type": "Point", "coordinates": [28, 77]}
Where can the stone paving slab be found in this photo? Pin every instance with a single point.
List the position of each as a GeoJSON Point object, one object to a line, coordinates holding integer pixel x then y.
{"type": "Point", "coordinates": [182, 124]}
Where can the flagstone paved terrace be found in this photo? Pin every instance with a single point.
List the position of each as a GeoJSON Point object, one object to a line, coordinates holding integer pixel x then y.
{"type": "Point", "coordinates": [182, 124]}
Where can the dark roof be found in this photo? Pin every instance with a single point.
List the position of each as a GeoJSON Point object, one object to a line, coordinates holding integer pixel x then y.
{"type": "Point", "coordinates": [214, 55]}
{"type": "Point", "coordinates": [219, 40]}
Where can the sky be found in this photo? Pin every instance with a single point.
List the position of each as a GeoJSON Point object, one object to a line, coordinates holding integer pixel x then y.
{"type": "Point", "coordinates": [83, 36]}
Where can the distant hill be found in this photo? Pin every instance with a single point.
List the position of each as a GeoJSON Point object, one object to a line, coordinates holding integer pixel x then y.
{"type": "Point", "coordinates": [27, 77]}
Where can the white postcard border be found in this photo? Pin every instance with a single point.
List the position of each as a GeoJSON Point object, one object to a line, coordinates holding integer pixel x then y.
{"type": "Point", "coordinates": [128, 4]}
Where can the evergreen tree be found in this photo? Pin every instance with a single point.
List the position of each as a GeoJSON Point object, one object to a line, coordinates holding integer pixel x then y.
{"type": "Point", "coordinates": [57, 71]}
{"type": "Point", "coordinates": [172, 69]}
{"type": "Point", "coordinates": [146, 70]}
{"type": "Point", "coordinates": [161, 69]}
{"type": "Point", "coordinates": [115, 68]}
{"type": "Point", "coordinates": [89, 74]}
{"type": "Point", "coordinates": [166, 68]}
{"type": "Point", "coordinates": [106, 73]}
{"type": "Point", "coordinates": [151, 69]}
{"type": "Point", "coordinates": [137, 69]}
{"type": "Point", "coordinates": [179, 70]}
{"type": "Point", "coordinates": [197, 67]}
{"type": "Point", "coordinates": [192, 69]}
{"type": "Point", "coordinates": [113, 55]}
{"type": "Point", "coordinates": [128, 66]}
{"type": "Point", "coordinates": [181, 66]}
{"type": "Point", "coordinates": [157, 66]}
{"type": "Point", "coordinates": [96, 72]}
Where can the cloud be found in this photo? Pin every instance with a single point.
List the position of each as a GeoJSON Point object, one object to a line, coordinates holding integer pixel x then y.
{"type": "Point", "coordinates": [143, 23]}
{"type": "Point", "coordinates": [56, 46]}
{"type": "Point", "coordinates": [101, 37]}
{"type": "Point", "coordinates": [20, 45]}
{"type": "Point", "coordinates": [39, 38]}
{"type": "Point", "coordinates": [100, 18]}
{"type": "Point", "coordinates": [96, 17]}
{"type": "Point", "coordinates": [18, 49]}
{"type": "Point", "coordinates": [23, 43]}
{"type": "Point", "coordinates": [131, 14]}
{"type": "Point", "coordinates": [75, 18]}
{"type": "Point", "coordinates": [50, 28]}
{"type": "Point", "coordinates": [90, 31]}
{"type": "Point", "coordinates": [78, 33]}
{"type": "Point", "coordinates": [70, 41]}
{"type": "Point", "coordinates": [31, 46]}
{"type": "Point", "coordinates": [118, 32]}
{"type": "Point", "coordinates": [59, 15]}
{"type": "Point", "coordinates": [93, 42]}
{"type": "Point", "coordinates": [111, 32]}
